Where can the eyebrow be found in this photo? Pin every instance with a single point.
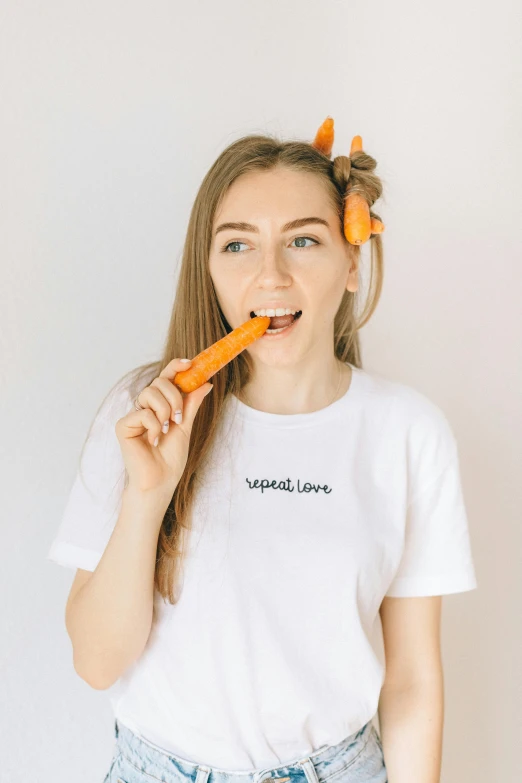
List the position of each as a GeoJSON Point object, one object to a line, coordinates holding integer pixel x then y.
{"type": "Point", "coordinates": [298, 223]}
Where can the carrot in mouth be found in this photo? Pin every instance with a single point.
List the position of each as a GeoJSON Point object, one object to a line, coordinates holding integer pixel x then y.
{"type": "Point", "coordinates": [208, 362]}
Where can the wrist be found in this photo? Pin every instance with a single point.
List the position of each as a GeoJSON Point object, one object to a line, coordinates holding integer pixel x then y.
{"type": "Point", "coordinates": [153, 500]}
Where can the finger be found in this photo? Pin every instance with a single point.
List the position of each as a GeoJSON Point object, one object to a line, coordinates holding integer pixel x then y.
{"type": "Point", "coordinates": [193, 402]}
{"type": "Point", "coordinates": [153, 398]}
{"type": "Point", "coordinates": [136, 423]}
{"type": "Point", "coordinates": [173, 396]}
{"type": "Point", "coordinates": [174, 366]}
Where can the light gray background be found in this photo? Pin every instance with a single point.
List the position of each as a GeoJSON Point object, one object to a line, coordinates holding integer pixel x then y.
{"type": "Point", "coordinates": [112, 112]}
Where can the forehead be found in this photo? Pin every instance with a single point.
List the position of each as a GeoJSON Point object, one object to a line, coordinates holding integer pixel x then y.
{"type": "Point", "coordinates": [282, 191]}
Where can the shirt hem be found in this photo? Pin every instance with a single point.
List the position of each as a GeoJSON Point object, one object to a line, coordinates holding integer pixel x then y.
{"type": "Point", "coordinates": [443, 584]}
{"type": "Point", "coordinates": [129, 723]}
{"type": "Point", "coordinates": [72, 556]}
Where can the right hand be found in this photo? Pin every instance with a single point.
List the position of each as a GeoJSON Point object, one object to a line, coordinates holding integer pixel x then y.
{"type": "Point", "coordinates": [159, 467]}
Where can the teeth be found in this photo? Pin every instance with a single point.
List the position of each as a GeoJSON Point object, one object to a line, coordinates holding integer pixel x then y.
{"type": "Point", "coordinates": [278, 311]}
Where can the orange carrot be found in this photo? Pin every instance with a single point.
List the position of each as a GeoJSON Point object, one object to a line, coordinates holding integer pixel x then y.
{"type": "Point", "coordinates": [377, 226]}
{"type": "Point", "coordinates": [208, 362]}
{"type": "Point", "coordinates": [324, 138]}
{"type": "Point", "coordinates": [356, 145]}
{"type": "Point", "coordinates": [357, 222]}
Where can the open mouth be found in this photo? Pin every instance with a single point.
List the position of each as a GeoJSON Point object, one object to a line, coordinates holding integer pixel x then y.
{"type": "Point", "coordinates": [278, 323]}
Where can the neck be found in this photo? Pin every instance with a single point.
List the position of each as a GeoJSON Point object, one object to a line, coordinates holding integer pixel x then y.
{"type": "Point", "coordinates": [296, 400]}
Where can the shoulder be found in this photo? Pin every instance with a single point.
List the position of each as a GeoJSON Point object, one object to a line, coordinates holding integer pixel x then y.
{"type": "Point", "coordinates": [415, 416]}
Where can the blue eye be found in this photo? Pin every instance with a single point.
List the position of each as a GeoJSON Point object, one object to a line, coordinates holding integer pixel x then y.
{"type": "Point", "coordinates": [310, 238]}
{"type": "Point", "coordinates": [225, 248]}
{"type": "Point", "coordinates": [231, 243]}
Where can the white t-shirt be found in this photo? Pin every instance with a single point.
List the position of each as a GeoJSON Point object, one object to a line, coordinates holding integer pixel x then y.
{"type": "Point", "coordinates": [302, 525]}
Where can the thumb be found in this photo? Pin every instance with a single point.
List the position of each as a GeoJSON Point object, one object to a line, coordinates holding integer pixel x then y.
{"type": "Point", "coordinates": [193, 401]}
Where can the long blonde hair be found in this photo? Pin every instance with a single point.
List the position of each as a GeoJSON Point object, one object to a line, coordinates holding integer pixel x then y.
{"type": "Point", "coordinates": [197, 320]}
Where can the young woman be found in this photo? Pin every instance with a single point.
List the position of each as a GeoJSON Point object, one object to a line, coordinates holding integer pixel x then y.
{"type": "Point", "coordinates": [258, 579]}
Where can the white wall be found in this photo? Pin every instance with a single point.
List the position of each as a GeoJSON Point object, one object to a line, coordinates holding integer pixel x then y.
{"type": "Point", "coordinates": [112, 112]}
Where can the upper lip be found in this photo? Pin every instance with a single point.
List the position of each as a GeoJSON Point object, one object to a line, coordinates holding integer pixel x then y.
{"type": "Point", "coordinates": [275, 306]}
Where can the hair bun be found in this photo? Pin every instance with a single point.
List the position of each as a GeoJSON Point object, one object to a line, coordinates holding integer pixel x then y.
{"type": "Point", "coordinates": [342, 166]}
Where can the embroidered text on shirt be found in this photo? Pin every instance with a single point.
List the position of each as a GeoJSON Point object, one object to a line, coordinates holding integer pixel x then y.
{"type": "Point", "coordinates": [287, 486]}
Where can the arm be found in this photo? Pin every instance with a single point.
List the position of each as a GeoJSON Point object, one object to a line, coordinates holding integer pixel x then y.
{"type": "Point", "coordinates": [109, 618]}
{"type": "Point", "coordinates": [411, 704]}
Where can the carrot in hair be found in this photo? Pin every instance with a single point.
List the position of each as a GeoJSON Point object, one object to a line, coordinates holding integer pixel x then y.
{"type": "Point", "coordinates": [356, 145]}
{"type": "Point", "coordinates": [358, 224]}
{"type": "Point", "coordinates": [324, 138]}
{"type": "Point", "coordinates": [377, 226]}
{"type": "Point", "coordinates": [208, 362]}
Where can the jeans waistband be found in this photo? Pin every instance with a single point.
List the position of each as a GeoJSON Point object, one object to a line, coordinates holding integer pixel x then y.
{"type": "Point", "coordinates": [315, 767]}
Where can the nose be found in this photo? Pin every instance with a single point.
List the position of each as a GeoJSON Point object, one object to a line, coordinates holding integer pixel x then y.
{"type": "Point", "coordinates": [273, 268]}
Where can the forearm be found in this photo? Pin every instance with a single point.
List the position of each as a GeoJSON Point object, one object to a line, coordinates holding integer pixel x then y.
{"type": "Point", "coordinates": [411, 726]}
{"type": "Point", "coordinates": [109, 620]}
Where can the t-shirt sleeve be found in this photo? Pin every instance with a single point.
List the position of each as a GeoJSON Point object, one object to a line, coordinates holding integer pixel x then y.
{"type": "Point", "coordinates": [437, 557]}
{"type": "Point", "coordinates": [94, 501]}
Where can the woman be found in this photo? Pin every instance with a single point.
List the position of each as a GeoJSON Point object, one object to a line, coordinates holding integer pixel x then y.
{"type": "Point", "coordinates": [256, 582]}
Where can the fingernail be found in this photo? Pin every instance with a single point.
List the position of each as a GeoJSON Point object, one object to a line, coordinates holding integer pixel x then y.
{"type": "Point", "coordinates": [165, 427]}
{"type": "Point", "coordinates": [156, 441]}
{"type": "Point", "coordinates": [185, 360]}
{"type": "Point", "coordinates": [211, 387]}
{"type": "Point", "coordinates": [178, 417]}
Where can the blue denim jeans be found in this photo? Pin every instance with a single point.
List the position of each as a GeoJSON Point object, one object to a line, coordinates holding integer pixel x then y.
{"type": "Point", "coordinates": [356, 759]}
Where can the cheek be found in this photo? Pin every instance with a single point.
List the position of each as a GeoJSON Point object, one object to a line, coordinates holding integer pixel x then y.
{"type": "Point", "coordinates": [327, 296]}
{"type": "Point", "coordinates": [228, 285]}
{"type": "Point", "coordinates": [326, 286]}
